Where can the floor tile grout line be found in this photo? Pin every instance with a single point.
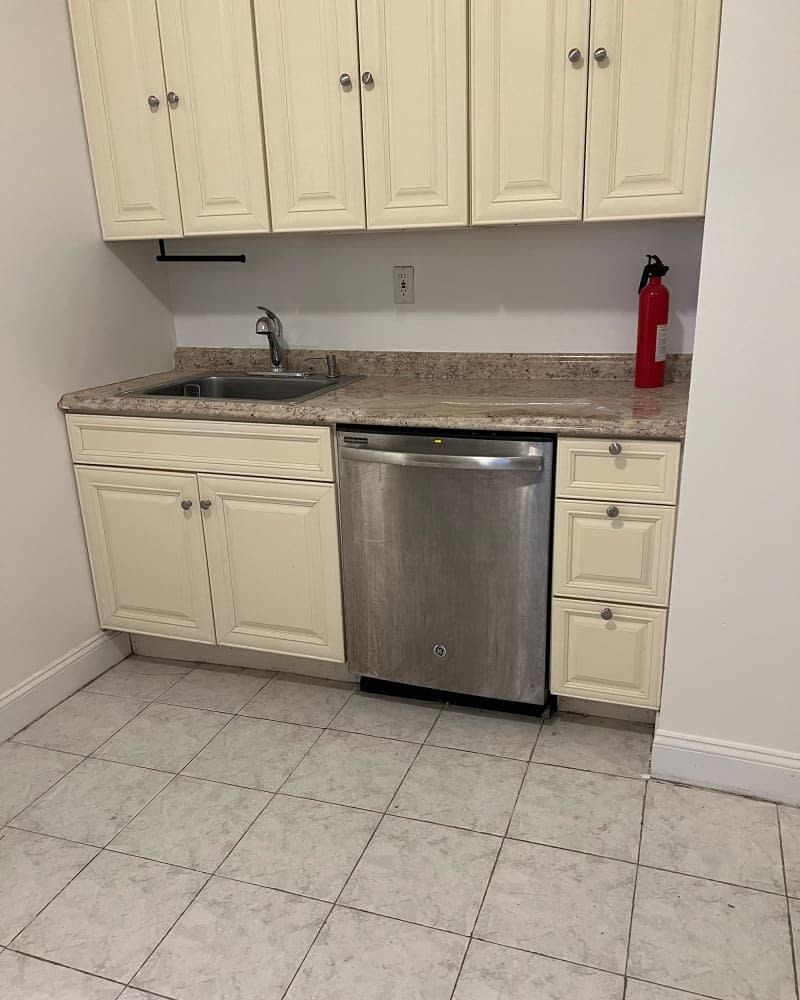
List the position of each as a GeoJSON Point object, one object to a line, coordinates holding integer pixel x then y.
{"type": "Point", "coordinates": [355, 865]}
{"type": "Point", "coordinates": [792, 948]}
{"type": "Point", "coordinates": [161, 700]}
{"type": "Point", "coordinates": [635, 883]}
{"type": "Point", "coordinates": [34, 800]}
{"type": "Point", "coordinates": [70, 968]}
{"type": "Point", "coordinates": [689, 993]}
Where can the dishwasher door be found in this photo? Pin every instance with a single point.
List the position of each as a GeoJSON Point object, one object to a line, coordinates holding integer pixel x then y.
{"type": "Point", "coordinates": [446, 560]}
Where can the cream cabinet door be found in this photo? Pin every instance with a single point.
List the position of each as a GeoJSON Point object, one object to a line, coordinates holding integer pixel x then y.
{"type": "Point", "coordinates": [210, 68]}
{"type": "Point", "coordinates": [622, 470]}
{"type": "Point", "coordinates": [146, 548]}
{"type": "Point", "coordinates": [273, 556]}
{"type": "Point", "coordinates": [308, 51]}
{"type": "Point", "coordinates": [529, 70]}
{"type": "Point", "coordinates": [613, 552]}
{"type": "Point", "coordinates": [125, 108]}
{"type": "Point", "coordinates": [651, 104]}
{"type": "Point", "coordinates": [616, 659]}
{"type": "Point", "coordinates": [414, 107]}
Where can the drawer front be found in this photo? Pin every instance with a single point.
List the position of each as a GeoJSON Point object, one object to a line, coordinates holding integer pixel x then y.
{"type": "Point", "coordinates": [624, 557]}
{"type": "Point", "coordinates": [588, 468]}
{"type": "Point", "coordinates": [618, 660]}
{"type": "Point", "coordinates": [283, 451]}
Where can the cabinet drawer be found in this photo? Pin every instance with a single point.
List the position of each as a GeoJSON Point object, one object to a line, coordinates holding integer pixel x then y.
{"type": "Point", "coordinates": [284, 451]}
{"type": "Point", "coordinates": [618, 660]}
{"type": "Point", "coordinates": [625, 556]}
{"type": "Point", "coordinates": [642, 470]}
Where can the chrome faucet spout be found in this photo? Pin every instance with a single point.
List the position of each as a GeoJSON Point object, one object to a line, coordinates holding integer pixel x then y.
{"type": "Point", "coordinates": [270, 326]}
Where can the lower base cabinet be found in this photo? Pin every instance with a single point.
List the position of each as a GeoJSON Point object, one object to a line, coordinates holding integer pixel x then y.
{"type": "Point", "coordinates": [244, 561]}
{"type": "Point", "coordinates": [607, 652]}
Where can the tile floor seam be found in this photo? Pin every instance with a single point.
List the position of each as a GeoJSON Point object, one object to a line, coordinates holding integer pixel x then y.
{"type": "Point", "coordinates": [60, 891]}
{"type": "Point", "coordinates": [794, 948]}
{"type": "Point", "coordinates": [178, 678]}
{"type": "Point", "coordinates": [554, 958]}
{"type": "Point", "coordinates": [36, 799]}
{"type": "Point", "coordinates": [60, 965]}
{"type": "Point", "coordinates": [635, 883]}
{"type": "Point", "coordinates": [161, 700]}
{"type": "Point", "coordinates": [649, 982]}
{"type": "Point", "coordinates": [285, 676]}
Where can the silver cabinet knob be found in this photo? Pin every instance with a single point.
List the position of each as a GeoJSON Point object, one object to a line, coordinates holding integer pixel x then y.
{"type": "Point", "coordinates": [186, 504]}
{"type": "Point", "coordinates": [615, 448]}
{"type": "Point", "coordinates": [205, 504]}
{"type": "Point", "coordinates": [574, 55]}
{"type": "Point", "coordinates": [367, 78]}
{"type": "Point", "coordinates": [154, 102]}
{"type": "Point", "coordinates": [173, 99]}
{"type": "Point", "coordinates": [601, 54]}
{"type": "Point", "coordinates": [606, 614]}
{"type": "Point", "coordinates": [346, 81]}
{"type": "Point", "coordinates": [612, 511]}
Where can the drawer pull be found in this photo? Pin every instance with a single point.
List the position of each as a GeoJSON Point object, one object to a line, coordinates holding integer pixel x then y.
{"type": "Point", "coordinates": [186, 504]}
{"type": "Point", "coordinates": [612, 511]}
{"type": "Point", "coordinates": [607, 614]}
{"type": "Point", "coordinates": [205, 504]}
{"type": "Point", "coordinates": [615, 448]}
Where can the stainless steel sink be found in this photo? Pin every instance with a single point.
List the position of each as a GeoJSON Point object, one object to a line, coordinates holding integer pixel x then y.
{"type": "Point", "coordinates": [288, 387]}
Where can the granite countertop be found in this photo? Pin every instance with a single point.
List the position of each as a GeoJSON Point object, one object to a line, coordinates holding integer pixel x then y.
{"type": "Point", "coordinates": [573, 395]}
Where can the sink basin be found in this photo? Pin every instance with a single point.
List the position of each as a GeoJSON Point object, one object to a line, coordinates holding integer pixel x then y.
{"type": "Point", "coordinates": [280, 388]}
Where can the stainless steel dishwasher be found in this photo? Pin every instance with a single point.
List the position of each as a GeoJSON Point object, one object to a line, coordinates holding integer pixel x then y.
{"type": "Point", "coordinates": [446, 560]}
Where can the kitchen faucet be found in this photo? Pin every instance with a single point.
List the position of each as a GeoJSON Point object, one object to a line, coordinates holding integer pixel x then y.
{"type": "Point", "coordinates": [270, 326]}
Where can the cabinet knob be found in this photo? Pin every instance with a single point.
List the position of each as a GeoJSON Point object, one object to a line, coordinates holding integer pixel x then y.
{"type": "Point", "coordinates": [574, 55]}
{"type": "Point", "coordinates": [173, 99]}
{"type": "Point", "coordinates": [612, 511]}
{"type": "Point", "coordinates": [600, 54]}
{"type": "Point", "coordinates": [615, 448]}
{"type": "Point", "coordinates": [346, 81]}
{"type": "Point", "coordinates": [186, 504]}
{"type": "Point", "coordinates": [606, 614]}
{"type": "Point", "coordinates": [154, 102]}
{"type": "Point", "coordinates": [205, 504]}
{"type": "Point", "coordinates": [367, 78]}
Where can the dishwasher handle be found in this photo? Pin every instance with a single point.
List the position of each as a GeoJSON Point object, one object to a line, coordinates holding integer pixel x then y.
{"type": "Point", "coordinates": [494, 463]}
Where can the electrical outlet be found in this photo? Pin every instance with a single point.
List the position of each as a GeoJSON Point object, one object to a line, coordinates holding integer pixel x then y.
{"type": "Point", "coordinates": [404, 285]}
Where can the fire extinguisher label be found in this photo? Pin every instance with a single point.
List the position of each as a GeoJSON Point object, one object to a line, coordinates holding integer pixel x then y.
{"type": "Point", "coordinates": [661, 342]}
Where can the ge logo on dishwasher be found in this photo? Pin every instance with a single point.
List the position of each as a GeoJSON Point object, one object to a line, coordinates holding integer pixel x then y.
{"type": "Point", "coordinates": [440, 650]}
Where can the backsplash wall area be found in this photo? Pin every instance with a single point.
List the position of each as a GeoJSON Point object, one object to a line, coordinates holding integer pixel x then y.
{"type": "Point", "coordinates": [544, 288]}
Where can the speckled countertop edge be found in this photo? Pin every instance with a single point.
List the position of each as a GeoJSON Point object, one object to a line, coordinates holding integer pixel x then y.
{"type": "Point", "coordinates": [597, 406]}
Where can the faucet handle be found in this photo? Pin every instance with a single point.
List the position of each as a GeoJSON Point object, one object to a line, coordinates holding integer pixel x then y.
{"type": "Point", "coordinates": [330, 360]}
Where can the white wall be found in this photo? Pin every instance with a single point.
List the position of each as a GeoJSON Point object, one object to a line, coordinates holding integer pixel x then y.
{"type": "Point", "coordinates": [733, 659]}
{"type": "Point", "coordinates": [568, 287]}
{"type": "Point", "coordinates": [73, 313]}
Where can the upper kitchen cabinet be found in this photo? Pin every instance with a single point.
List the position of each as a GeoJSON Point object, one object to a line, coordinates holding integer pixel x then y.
{"type": "Point", "coordinates": [124, 101]}
{"type": "Point", "coordinates": [414, 110]}
{"type": "Point", "coordinates": [310, 90]}
{"type": "Point", "coordinates": [528, 109]}
{"type": "Point", "coordinates": [651, 104]}
{"type": "Point", "coordinates": [172, 110]}
{"type": "Point", "coordinates": [212, 82]}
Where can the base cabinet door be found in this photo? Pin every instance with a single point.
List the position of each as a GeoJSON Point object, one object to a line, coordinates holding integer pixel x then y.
{"type": "Point", "coordinates": [210, 69]}
{"type": "Point", "coordinates": [147, 552]}
{"type": "Point", "coordinates": [528, 80]}
{"type": "Point", "coordinates": [311, 95]}
{"type": "Point", "coordinates": [651, 103]}
{"type": "Point", "coordinates": [273, 558]}
{"type": "Point", "coordinates": [607, 652]}
{"type": "Point", "coordinates": [414, 108]}
{"type": "Point", "coordinates": [124, 103]}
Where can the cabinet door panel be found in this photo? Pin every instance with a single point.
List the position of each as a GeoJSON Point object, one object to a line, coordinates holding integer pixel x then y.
{"type": "Point", "coordinates": [119, 66]}
{"type": "Point", "coordinates": [147, 552]}
{"type": "Point", "coordinates": [415, 112]}
{"type": "Point", "coordinates": [528, 106]}
{"type": "Point", "coordinates": [273, 554]}
{"type": "Point", "coordinates": [210, 63]}
{"type": "Point", "coordinates": [312, 124]}
{"type": "Point", "coordinates": [618, 660]}
{"type": "Point", "coordinates": [622, 558]}
{"type": "Point", "coordinates": [651, 104]}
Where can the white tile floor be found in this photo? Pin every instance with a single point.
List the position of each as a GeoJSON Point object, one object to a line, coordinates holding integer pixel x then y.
{"type": "Point", "coordinates": [208, 834]}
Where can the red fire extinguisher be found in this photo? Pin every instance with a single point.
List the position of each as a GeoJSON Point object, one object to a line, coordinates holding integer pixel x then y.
{"type": "Point", "coordinates": [651, 343]}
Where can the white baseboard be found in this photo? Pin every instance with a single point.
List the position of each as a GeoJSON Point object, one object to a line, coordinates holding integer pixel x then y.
{"type": "Point", "coordinates": [58, 680]}
{"type": "Point", "coordinates": [730, 767]}
{"type": "Point", "coordinates": [199, 652]}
